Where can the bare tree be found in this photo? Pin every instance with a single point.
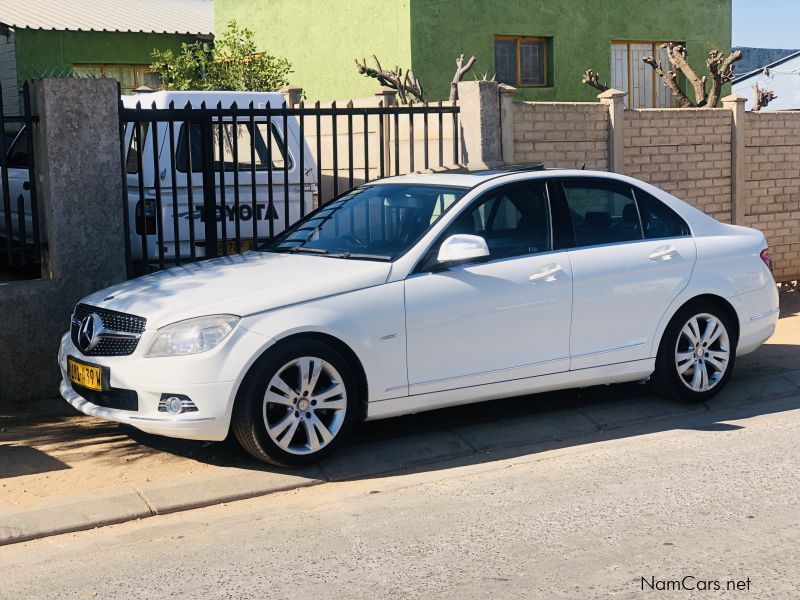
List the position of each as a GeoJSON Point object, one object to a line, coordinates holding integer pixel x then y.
{"type": "Point", "coordinates": [763, 97]}
{"type": "Point", "coordinates": [720, 68]}
{"type": "Point", "coordinates": [407, 86]}
{"type": "Point", "coordinates": [592, 79]}
{"type": "Point", "coordinates": [461, 70]}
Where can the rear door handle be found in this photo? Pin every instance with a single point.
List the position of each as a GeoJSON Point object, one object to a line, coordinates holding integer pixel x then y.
{"type": "Point", "coordinates": [546, 273]}
{"type": "Point", "coordinates": [663, 253]}
{"type": "Point", "coordinates": [26, 185]}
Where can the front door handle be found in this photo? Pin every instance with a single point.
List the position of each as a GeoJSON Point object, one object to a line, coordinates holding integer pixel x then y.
{"type": "Point", "coordinates": [546, 273]}
{"type": "Point", "coordinates": [663, 253]}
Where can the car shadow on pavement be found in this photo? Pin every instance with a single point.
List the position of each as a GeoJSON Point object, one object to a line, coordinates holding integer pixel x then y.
{"type": "Point", "coordinates": [503, 429]}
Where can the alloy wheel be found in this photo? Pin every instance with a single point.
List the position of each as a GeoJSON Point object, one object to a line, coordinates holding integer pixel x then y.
{"type": "Point", "coordinates": [304, 405]}
{"type": "Point", "coordinates": [702, 352]}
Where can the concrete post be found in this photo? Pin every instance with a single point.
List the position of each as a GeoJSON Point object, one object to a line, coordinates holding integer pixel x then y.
{"type": "Point", "coordinates": [736, 105]}
{"type": "Point", "coordinates": [479, 116]}
{"type": "Point", "coordinates": [79, 188]}
{"type": "Point", "coordinates": [293, 94]}
{"type": "Point", "coordinates": [386, 96]}
{"type": "Point", "coordinates": [507, 122]}
{"type": "Point", "coordinates": [615, 100]}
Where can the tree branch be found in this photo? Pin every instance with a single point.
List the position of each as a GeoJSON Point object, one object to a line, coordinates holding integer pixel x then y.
{"type": "Point", "coordinates": [461, 70]}
{"type": "Point", "coordinates": [763, 97]}
{"type": "Point", "coordinates": [677, 58]}
{"type": "Point", "coordinates": [405, 84]}
{"type": "Point", "coordinates": [721, 69]}
{"type": "Point", "coordinates": [592, 79]}
{"type": "Point", "coordinates": [670, 79]}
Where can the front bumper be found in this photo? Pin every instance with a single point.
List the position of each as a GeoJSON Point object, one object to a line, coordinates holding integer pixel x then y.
{"type": "Point", "coordinates": [211, 380]}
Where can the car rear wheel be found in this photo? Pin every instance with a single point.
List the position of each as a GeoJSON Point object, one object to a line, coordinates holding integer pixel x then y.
{"type": "Point", "coordinates": [697, 353]}
{"type": "Point", "coordinates": [297, 405]}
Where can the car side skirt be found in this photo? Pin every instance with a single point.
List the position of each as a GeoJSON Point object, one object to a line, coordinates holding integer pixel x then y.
{"type": "Point", "coordinates": [616, 373]}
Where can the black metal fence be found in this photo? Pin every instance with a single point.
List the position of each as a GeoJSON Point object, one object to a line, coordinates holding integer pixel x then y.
{"type": "Point", "coordinates": [204, 181]}
{"type": "Point", "coordinates": [20, 243]}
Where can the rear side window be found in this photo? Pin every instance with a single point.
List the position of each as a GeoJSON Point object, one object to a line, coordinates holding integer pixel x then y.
{"type": "Point", "coordinates": [134, 149]}
{"type": "Point", "coordinates": [602, 212]}
{"type": "Point", "coordinates": [242, 138]}
{"type": "Point", "coordinates": [658, 219]}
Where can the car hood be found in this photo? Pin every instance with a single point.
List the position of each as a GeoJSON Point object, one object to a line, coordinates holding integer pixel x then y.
{"type": "Point", "coordinates": [243, 284]}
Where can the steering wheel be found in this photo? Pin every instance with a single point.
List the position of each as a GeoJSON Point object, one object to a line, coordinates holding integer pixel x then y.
{"type": "Point", "coordinates": [353, 241]}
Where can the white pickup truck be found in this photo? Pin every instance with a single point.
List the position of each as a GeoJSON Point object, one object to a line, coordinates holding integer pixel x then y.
{"type": "Point", "coordinates": [242, 156]}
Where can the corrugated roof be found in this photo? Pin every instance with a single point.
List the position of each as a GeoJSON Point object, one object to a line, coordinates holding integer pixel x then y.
{"type": "Point", "coordinates": [150, 16]}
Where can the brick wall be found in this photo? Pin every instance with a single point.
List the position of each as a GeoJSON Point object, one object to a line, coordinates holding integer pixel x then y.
{"type": "Point", "coordinates": [772, 181]}
{"type": "Point", "coordinates": [561, 134]}
{"type": "Point", "coordinates": [686, 152]}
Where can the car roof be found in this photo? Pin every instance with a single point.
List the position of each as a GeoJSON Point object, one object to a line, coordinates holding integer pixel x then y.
{"type": "Point", "coordinates": [463, 177]}
{"type": "Point", "coordinates": [242, 99]}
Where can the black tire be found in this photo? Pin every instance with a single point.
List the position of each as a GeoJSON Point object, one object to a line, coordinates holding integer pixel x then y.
{"type": "Point", "coordinates": [666, 380]}
{"type": "Point", "coordinates": [248, 422]}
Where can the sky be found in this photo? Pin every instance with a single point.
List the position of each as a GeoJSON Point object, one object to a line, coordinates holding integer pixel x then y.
{"type": "Point", "coordinates": [766, 23]}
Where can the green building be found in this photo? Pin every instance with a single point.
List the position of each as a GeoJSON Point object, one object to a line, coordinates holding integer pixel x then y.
{"type": "Point", "coordinates": [93, 37]}
{"type": "Point", "coordinates": [542, 47]}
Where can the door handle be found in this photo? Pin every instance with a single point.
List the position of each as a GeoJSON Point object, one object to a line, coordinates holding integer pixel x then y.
{"type": "Point", "coordinates": [663, 253]}
{"type": "Point", "coordinates": [26, 185]}
{"type": "Point", "coordinates": [546, 273]}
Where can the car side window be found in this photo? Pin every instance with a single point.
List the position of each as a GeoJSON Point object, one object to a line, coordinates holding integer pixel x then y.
{"type": "Point", "coordinates": [514, 221]}
{"type": "Point", "coordinates": [602, 212]}
{"type": "Point", "coordinates": [658, 219]}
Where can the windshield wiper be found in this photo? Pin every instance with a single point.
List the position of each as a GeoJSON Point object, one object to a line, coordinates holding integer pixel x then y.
{"type": "Point", "coordinates": [366, 256]}
{"type": "Point", "coordinates": [330, 254]}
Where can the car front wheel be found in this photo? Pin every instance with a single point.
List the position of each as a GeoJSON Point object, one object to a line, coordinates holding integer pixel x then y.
{"type": "Point", "coordinates": [297, 405]}
{"type": "Point", "coordinates": [697, 353]}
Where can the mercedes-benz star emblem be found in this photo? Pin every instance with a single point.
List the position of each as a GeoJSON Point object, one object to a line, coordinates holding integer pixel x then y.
{"type": "Point", "coordinates": [89, 332]}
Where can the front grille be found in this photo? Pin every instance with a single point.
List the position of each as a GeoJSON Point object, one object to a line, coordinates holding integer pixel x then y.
{"type": "Point", "coordinates": [112, 320]}
{"type": "Point", "coordinates": [113, 398]}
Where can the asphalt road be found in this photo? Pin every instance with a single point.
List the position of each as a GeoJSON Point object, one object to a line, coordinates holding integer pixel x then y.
{"type": "Point", "coordinates": [698, 497]}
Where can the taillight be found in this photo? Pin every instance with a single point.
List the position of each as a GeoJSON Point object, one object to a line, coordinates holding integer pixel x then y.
{"type": "Point", "coordinates": [767, 259]}
{"type": "Point", "coordinates": [146, 217]}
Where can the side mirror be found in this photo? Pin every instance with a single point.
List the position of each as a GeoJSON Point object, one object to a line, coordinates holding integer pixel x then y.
{"type": "Point", "coordinates": [461, 248]}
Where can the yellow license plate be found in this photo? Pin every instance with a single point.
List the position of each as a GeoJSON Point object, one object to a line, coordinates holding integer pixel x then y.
{"type": "Point", "coordinates": [88, 376]}
{"type": "Point", "coordinates": [229, 247]}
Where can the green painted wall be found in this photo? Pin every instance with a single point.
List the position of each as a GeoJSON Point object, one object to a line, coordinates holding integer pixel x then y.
{"type": "Point", "coordinates": [582, 31]}
{"type": "Point", "coordinates": [43, 51]}
{"type": "Point", "coordinates": [322, 38]}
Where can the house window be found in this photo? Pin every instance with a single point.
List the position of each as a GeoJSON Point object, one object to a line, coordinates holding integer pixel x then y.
{"type": "Point", "coordinates": [631, 75]}
{"type": "Point", "coordinates": [130, 77]}
{"type": "Point", "coordinates": [521, 60]}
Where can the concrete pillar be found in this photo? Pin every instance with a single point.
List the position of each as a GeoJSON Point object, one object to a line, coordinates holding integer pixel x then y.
{"type": "Point", "coordinates": [386, 95]}
{"type": "Point", "coordinates": [736, 105]}
{"type": "Point", "coordinates": [79, 188]}
{"type": "Point", "coordinates": [615, 100]}
{"type": "Point", "coordinates": [293, 94]}
{"type": "Point", "coordinates": [479, 116]}
{"type": "Point", "coordinates": [507, 122]}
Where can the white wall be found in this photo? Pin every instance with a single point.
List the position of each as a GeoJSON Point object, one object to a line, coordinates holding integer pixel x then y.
{"type": "Point", "coordinates": [784, 80]}
{"type": "Point", "coordinates": [8, 74]}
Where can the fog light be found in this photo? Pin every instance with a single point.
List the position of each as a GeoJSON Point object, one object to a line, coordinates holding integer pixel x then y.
{"type": "Point", "coordinates": [176, 404]}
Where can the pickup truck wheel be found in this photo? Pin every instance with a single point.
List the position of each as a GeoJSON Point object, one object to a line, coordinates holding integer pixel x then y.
{"type": "Point", "coordinates": [697, 353]}
{"type": "Point", "coordinates": [298, 404]}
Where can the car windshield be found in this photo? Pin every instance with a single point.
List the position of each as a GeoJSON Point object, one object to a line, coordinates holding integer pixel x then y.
{"type": "Point", "coordinates": [372, 222]}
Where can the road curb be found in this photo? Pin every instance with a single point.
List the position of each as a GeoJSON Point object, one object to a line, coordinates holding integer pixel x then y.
{"type": "Point", "coordinates": [88, 511]}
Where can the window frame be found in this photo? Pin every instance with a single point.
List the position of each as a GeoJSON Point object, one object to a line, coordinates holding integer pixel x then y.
{"type": "Point", "coordinates": [564, 226]}
{"type": "Point", "coordinates": [426, 261]}
{"type": "Point", "coordinates": [545, 61]}
{"type": "Point", "coordinates": [138, 71]}
{"type": "Point", "coordinates": [654, 44]}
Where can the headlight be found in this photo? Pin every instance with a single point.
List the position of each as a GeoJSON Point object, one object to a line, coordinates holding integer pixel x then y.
{"type": "Point", "coordinates": [192, 336]}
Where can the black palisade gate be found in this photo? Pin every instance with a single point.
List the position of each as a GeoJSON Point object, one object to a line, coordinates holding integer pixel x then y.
{"type": "Point", "coordinates": [20, 242]}
{"type": "Point", "coordinates": [243, 174]}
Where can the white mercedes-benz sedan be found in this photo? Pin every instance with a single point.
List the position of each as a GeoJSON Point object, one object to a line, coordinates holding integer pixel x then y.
{"type": "Point", "coordinates": [424, 291]}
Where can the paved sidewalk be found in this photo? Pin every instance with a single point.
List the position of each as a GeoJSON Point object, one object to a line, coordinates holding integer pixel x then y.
{"type": "Point", "coordinates": [61, 472]}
